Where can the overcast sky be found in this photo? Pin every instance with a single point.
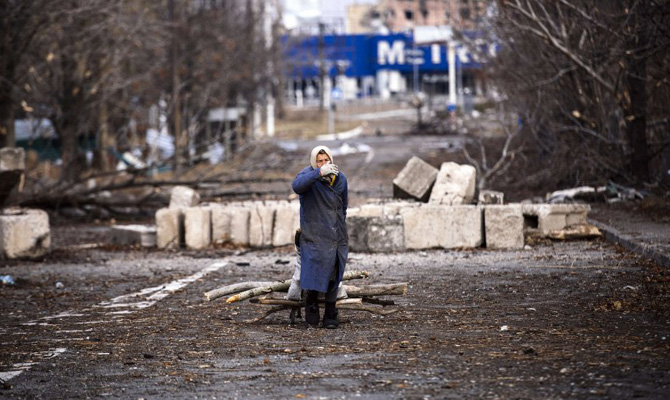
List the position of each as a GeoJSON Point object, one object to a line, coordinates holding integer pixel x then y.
{"type": "Point", "coordinates": [329, 10]}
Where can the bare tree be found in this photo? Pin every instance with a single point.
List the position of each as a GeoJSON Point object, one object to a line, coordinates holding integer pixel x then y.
{"type": "Point", "coordinates": [582, 72]}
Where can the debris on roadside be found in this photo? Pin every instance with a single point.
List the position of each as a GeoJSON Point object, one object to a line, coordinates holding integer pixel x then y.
{"type": "Point", "coordinates": [356, 296]}
{"type": "Point", "coordinates": [7, 280]}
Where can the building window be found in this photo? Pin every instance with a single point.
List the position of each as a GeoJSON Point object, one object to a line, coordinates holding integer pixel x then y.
{"type": "Point", "coordinates": [424, 12]}
{"type": "Point", "coordinates": [409, 15]}
{"type": "Point", "coordinates": [465, 13]}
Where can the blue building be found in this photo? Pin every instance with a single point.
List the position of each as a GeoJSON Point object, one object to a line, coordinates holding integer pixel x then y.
{"type": "Point", "coordinates": [364, 65]}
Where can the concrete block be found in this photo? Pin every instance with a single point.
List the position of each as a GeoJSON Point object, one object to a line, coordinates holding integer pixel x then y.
{"type": "Point", "coordinates": [394, 208]}
{"type": "Point", "coordinates": [169, 228]}
{"type": "Point", "coordinates": [184, 196]}
{"type": "Point", "coordinates": [357, 228]}
{"type": "Point", "coordinates": [386, 234]}
{"type": "Point", "coordinates": [221, 219]}
{"type": "Point", "coordinates": [261, 221]}
{"type": "Point", "coordinates": [544, 218]}
{"type": "Point", "coordinates": [432, 226]}
{"type": "Point", "coordinates": [415, 180]}
{"type": "Point", "coordinates": [487, 197]}
{"type": "Point", "coordinates": [286, 222]}
{"type": "Point", "coordinates": [24, 233]}
{"type": "Point", "coordinates": [131, 235]}
{"type": "Point", "coordinates": [197, 227]}
{"type": "Point", "coordinates": [503, 226]}
{"type": "Point", "coordinates": [239, 225]}
{"type": "Point", "coordinates": [454, 185]}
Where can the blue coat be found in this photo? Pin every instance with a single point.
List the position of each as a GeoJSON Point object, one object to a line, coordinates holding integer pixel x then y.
{"type": "Point", "coordinates": [324, 239]}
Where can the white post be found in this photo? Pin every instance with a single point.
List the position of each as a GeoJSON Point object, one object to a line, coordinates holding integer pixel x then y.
{"type": "Point", "coordinates": [270, 116]}
{"type": "Point", "coordinates": [451, 61]}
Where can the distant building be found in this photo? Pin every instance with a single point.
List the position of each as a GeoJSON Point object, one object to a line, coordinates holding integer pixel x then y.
{"type": "Point", "coordinates": [404, 15]}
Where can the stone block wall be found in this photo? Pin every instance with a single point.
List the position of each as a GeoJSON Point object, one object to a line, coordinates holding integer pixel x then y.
{"type": "Point", "coordinates": [388, 227]}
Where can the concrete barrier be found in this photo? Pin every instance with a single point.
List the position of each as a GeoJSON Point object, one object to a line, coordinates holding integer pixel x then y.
{"type": "Point", "coordinates": [287, 221]}
{"type": "Point", "coordinates": [261, 222]}
{"type": "Point", "coordinates": [197, 227]}
{"type": "Point", "coordinates": [184, 196]}
{"type": "Point", "coordinates": [239, 225]}
{"type": "Point", "coordinates": [169, 228]}
{"type": "Point", "coordinates": [24, 233]}
{"type": "Point", "coordinates": [415, 180]}
{"type": "Point", "coordinates": [503, 227]}
{"type": "Point", "coordinates": [454, 185]}
{"type": "Point", "coordinates": [544, 218]}
{"type": "Point", "coordinates": [432, 226]}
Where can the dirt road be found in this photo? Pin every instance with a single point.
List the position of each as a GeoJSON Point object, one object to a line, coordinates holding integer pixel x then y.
{"type": "Point", "coordinates": [563, 320]}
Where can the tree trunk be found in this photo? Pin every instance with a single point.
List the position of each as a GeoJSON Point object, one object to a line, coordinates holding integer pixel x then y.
{"type": "Point", "coordinates": [636, 128]}
{"type": "Point", "coordinates": [7, 134]}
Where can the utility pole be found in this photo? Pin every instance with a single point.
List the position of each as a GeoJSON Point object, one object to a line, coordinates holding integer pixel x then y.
{"type": "Point", "coordinates": [176, 103]}
{"type": "Point", "coordinates": [322, 67]}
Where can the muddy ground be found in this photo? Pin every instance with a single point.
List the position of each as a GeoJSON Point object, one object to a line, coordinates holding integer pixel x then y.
{"type": "Point", "coordinates": [581, 319]}
{"type": "Point", "coordinates": [561, 320]}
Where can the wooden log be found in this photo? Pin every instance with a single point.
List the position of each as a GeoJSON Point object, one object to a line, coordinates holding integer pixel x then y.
{"type": "Point", "coordinates": [283, 285]}
{"type": "Point", "coordinates": [295, 303]}
{"type": "Point", "coordinates": [394, 289]}
{"type": "Point", "coordinates": [234, 288]}
{"type": "Point", "coordinates": [370, 309]}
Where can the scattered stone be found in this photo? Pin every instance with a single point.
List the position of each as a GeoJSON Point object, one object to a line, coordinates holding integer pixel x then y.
{"type": "Point", "coordinates": [24, 233]}
{"type": "Point", "coordinates": [491, 197]}
{"type": "Point", "coordinates": [184, 196]}
{"type": "Point", "coordinates": [455, 185]}
{"type": "Point", "coordinates": [415, 180]}
{"type": "Point", "coordinates": [130, 235]}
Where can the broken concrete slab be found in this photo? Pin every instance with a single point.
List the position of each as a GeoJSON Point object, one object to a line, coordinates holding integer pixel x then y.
{"type": "Point", "coordinates": [544, 218]}
{"type": "Point", "coordinates": [491, 197]}
{"type": "Point", "coordinates": [184, 196]}
{"type": "Point", "coordinates": [12, 166]}
{"type": "Point", "coordinates": [579, 231]}
{"type": "Point", "coordinates": [132, 235]}
{"type": "Point", "coordinates": [261, 222]}
{"type": "Point", "coordinates": [503, 227]}
{"type": "Point", "coordinates": [415, 180]}
{"type": "Point", "coordinates": [287, 221]}
{"type": "Point", "coordinates": [197, 227]}
{"type": "Point", "coordinates": [24, 233]}
{"type": "Point", "coordinates": [431, 226]}
{"type": "Point", "coordinates": [454, 185]}
{"type": "Point", "coordinates": [169, 228]}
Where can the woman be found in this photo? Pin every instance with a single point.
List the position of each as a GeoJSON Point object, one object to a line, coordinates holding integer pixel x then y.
{"type": "Point", "coordinates": [324, 241]}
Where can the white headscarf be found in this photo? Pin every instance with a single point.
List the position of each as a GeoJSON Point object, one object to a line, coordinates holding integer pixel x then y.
{"type": "Point", "coordinates": [315, 152]}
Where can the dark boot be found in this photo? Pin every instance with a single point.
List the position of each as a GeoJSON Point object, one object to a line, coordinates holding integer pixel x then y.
{"type": "Point", "coordinates": [330, 316]}
{"type": "Point", "coordinates": [312, 308]}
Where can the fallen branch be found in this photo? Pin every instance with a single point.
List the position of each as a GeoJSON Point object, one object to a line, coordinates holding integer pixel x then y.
{"type": "Point", "coordinates": [399, 289]}
{"type": "Point", "coordinates": [295, 303]}
{"type": "Point", "coordinates": [234, 288]}
{"type": "Point", "coordinates": [284, 285]}
{"type": "Point", "coordinates": [370, 309]}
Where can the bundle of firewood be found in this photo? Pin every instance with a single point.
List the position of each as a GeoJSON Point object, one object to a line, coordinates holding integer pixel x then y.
{"type": "Point", "coordinates": [360, 298]}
